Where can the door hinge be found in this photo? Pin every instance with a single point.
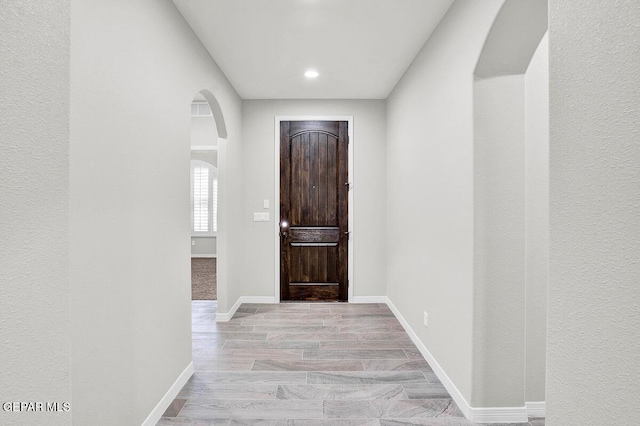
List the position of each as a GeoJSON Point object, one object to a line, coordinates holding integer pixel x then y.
{"type": "Point", "coordinates": [348, 185]}
{"type": "Point", "coordinates": [348, 234]}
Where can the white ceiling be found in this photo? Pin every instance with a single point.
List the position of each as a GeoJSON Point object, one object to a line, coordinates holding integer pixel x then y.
{"type": "Point", "coordinates": [361, 48]}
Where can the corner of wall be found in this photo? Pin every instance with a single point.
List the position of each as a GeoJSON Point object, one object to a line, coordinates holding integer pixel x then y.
{"type": "Point", "coordinates": [474, 414]}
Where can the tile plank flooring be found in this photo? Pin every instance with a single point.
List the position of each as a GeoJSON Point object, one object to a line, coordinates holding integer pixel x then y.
{"type": "Point", "coordinates": [309, 364]}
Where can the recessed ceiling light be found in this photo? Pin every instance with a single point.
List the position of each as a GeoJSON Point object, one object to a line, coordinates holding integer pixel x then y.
{"type": "Point", "coordinates": [311, 74]}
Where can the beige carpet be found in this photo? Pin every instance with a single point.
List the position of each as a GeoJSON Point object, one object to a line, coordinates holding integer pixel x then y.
{"type": "Point", "coordinates": [203, 279]}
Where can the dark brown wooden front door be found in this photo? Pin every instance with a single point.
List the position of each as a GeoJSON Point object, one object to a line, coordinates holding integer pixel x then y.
{"type": "Point", "coordinates": [313, 210]}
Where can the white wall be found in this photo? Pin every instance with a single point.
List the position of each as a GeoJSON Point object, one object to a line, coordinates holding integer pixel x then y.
{"type": "Point", "coordinates": [135, 68]}
{"type": "Point", "coordinates": [499, 243]}
{"type": "Point", "coordinates": [203, 131]}
{"type": "Point", "coordinates": [537, 219]}
{"type": "Point", "coordinates": [210, 157]}
{"type": "Point", "coordinates": [258, 118]}
{"type": "Point", "coordinates": [507, 212]}
{"type": "Point", "coordinates": [203, 247]}
{"type": "Point", "coordinates": [511, 235]}
{"type": "Point", "coordinates": [594, 297]}
{"type": "Point", "coordinates": [458, 168]}
{"type": "Point", "coordinates": [34, 210]}
{"type": "Point", "coordinates": [430, 191]}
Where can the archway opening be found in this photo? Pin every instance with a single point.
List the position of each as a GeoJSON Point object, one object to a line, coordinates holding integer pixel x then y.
{"type": "Point", "coordinates": [511, 210]}
{"type": "Point", "coordinates": [207, 142]}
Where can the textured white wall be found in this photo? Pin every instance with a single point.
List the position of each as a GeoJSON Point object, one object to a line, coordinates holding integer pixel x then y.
{"type": "Point", "coordinates": [430, 188]}
{"type": "Point", "coordinates": [537, 219]}
{"type": "Point", "coordinates": [34, 193]}
{"type": "Point", "coordinates": [499, 243]}
{"type": "Point", "coordinates": [593, 357]}
{"type": "Point", "coordinates": [135, 68]}
{"type": "Point", "coordinates": [369, 189]}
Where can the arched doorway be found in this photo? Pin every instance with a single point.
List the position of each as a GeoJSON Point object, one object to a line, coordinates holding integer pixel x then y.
{"type": "Point", "coordinates": [511, 124]}
{"type": "Point", "coordinates": [208, 160]}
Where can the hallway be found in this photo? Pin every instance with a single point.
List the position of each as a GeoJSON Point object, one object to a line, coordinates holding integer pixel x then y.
{"type": "Point", "coordinates": [309, 364]}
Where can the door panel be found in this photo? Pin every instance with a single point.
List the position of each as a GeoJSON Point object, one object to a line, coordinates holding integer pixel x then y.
{"type": "Point", "coordinates": [313, 210]}
{"type": "Point", "coordinates": [313, 159]}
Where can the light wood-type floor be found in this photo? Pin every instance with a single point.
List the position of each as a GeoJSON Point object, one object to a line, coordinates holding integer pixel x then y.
{"type": "Point", "coordinates": [309, 364]}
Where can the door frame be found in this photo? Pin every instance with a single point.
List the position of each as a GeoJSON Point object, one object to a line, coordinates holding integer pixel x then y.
{"type": "Point", "coordinates": [276, 198]}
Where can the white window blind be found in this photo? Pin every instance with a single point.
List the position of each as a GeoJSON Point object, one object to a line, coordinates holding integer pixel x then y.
{"type": "Point", "coordinates": [201, 109]}
{"type": "Point", "coordinates": [201, 199]}
{"type": "Point", "coordinates": [204, 198]}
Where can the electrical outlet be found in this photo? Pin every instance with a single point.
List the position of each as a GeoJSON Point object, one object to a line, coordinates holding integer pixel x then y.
{"type": "Point", "coordinates": [426, 319]}
{"type": "Point", "coordinates": [193, 242]}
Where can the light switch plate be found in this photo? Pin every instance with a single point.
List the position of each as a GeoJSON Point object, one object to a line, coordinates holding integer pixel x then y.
{"type": "Point", "coordinates": [261, 216]}
{"type": "Point", "coordinates": [265, 204]}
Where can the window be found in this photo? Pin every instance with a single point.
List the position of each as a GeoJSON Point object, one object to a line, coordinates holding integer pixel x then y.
{"type": "Point", "coordinates": [201, 109]}
{"type": "Point", "coordinates": [204, 198]}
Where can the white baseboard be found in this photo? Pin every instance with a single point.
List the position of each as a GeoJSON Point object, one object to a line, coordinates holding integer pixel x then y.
{"type": "Point", "coordinates": [478, 415]}
{"type": "Point", "coordinates": [498, 415]}
{"type": "Point", "coordinates": [446, 381]}
{"type": "Point", "coordinates": [206, 256]}
{"type": "Point", "coordinates": [369, 299]}
{"type": "Point", "coordinates": [224, 317]}
{"type": "Point", "coordinates": [536, 409]}
{"type": "Point", "coordinates": [258, 299]}
{"type": "Point", "coordinates": [168, 397]}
